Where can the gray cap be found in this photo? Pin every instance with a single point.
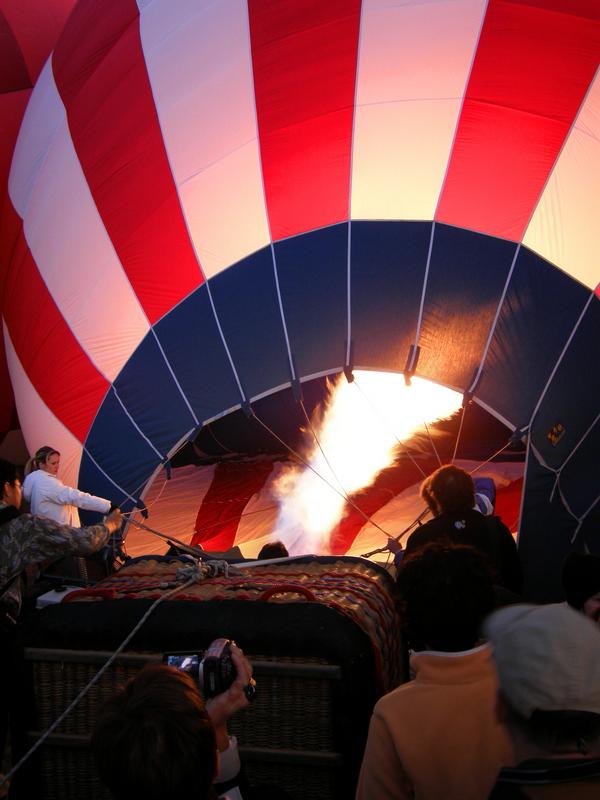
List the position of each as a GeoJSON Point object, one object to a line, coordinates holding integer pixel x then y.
{"type": "Point", "coordinates": [547, 658]}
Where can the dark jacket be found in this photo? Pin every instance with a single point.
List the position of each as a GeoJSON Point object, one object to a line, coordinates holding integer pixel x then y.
{"type": "Point", "coordinates": [488, 534]}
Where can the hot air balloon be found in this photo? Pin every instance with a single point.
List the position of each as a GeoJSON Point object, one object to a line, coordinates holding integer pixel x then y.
{"type": "Point", "coordinates": [216, 201]}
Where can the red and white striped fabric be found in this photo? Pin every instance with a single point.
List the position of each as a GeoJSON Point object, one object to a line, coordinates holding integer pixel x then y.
{"type": "Point", "coordinates": [232, 504]}
{"type": "Point", "coordinates": [28, 32]}
{"type": "Point", "coordinates": [210, 202]}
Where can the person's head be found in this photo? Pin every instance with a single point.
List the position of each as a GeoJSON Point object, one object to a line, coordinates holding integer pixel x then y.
{"type": "Point", "coordinates": [581, 582]}
{"type": "Point", "coordinates": [447, 592]}
{"type": "Point", "coordinates": [273, 550]}
{"type": "Point", "coordinates": [449, 489]}
{"type": "Point", "coordinates": [548, 664]}
{"type": "Point", "coordinates": [10, 479]}
{"type": "Point", "coordinates": [154, 739]}
{"type": "Point", "coordinates": [48, 459]}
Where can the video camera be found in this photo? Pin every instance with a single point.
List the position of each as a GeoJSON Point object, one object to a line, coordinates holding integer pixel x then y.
{"type": "Point", "coordinates": [212, 669]}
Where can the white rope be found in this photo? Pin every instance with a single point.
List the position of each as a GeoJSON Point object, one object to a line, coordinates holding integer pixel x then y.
{"type": "Point", "coordinates": [197, 574]}
{"type": "Point", "coordinates": [318, 474]}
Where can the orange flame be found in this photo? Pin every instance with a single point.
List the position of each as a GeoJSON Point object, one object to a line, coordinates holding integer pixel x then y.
{"type": "Point", "coordinates": [359, 433]}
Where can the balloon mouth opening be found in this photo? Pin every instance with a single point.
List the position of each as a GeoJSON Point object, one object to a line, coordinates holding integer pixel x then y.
{"type": "Point", "coordinates": [356, 434]}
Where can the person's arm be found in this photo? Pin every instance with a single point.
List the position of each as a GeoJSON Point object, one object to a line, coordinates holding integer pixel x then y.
{"type": "Point", "coordinates": [382, 775]}
{"type": "Point", "coordinates": [229, 762]}
{"type": "Point", "coordinates": [30, 539]}
{"type": "Point", "coordinates": [222, 708]}
{"type": "Point", "coordinates": [27, 486]}
{"type": "Point", "coordinates": [397, 550]}
{"type": "Point", "coordinates": [67, 496]}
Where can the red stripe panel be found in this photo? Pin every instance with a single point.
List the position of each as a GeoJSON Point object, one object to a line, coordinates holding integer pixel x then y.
{"type": "Point", "coordinates": [534, 63]}
{"type": "Point", "coordinates": [8, 414]}
{"type": "Point", "coordinates": [10, 230]}
{"type": "Point", "coordinates": [232, 487]}
{"type": "Point", "coordinates": [389, 483]}
{"type": "Point", "coordinates": [36, 25]}
{"type": "Point", "coordinates": [13, 70]}
{"type": "Point", "coordinates": [304, 59]}
{"type": "Point", "coordinates": [12, 108]}
{"type": "Point", "coordinates": [101, 75]}
{"type": "Point", "coordinates": [61, 372]}
{"type": "Point", "coordinates": [508, 503]}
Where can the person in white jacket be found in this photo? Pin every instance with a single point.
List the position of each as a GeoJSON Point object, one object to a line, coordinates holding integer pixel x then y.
{"type": "Point", "coordinates": [49, 497]}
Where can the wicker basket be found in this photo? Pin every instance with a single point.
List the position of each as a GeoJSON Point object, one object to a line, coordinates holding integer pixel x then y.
{"type": "Point", "coordinates": [322, 634]}
{"type": "Point", "coordinates": [286, 738]}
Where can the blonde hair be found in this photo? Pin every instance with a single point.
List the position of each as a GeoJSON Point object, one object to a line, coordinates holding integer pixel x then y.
{"type": "Point", "coordinates": [41, 457]}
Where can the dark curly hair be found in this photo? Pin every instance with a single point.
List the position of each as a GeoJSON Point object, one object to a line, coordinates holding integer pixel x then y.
{"type": "Point", "coordinates": [9, 473]}
{"type": "Point", "coordinates": [447, 591]}
{"type": "Point", "coordinates": [448, 489]}
{"type": "Point", "coordinates": [155, 740]}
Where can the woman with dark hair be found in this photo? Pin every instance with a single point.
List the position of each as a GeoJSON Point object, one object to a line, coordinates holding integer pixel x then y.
{"type": "Point", "coordinates": [49, 497]}
{"type": "Point", "coordinates": [450, 494]}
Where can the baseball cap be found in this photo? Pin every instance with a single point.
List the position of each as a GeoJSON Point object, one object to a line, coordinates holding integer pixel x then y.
{"type": "Point", "coordinates": [547, 658]}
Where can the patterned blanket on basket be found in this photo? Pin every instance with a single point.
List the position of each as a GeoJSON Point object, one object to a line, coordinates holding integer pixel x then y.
{"type": "Point", "coordinates": [353, 587]}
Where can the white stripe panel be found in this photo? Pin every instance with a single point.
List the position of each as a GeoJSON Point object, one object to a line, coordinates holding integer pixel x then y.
{"type": "Point", "coordinates": [41, 119]}
{"type": "Point", "coordinates": [414, 63]}
{"type": "Point", "coordinates": [39, 425]}
{"type": "Point", "coordinates": [173, 507]}
{"type": "Point", "coordinates": [70, 245]}
{"type": "Point", "coordinates": [394, 517]}
{"type": "Point", "coordinates": [564, 226]}
{"type": "Point", "coordinates": [198, 60]}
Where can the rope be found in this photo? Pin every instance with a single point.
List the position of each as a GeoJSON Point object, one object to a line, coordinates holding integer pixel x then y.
{"type": "Point", "coordinates": [487, 461]}
{"type": "Point", "coordinates": [214, 436]}
{"type": "Point", "coordinates": [174, 540]}
{"type": "Point", "coordinates": [405, 449]}
{"type": "Point", "coordinates": [306, 464]}
{"type": "Point", "coordinates": [317, 440]}
{"type": "Point", "coordinates": [191, 549]}
{"type": "Point", "coordinates": [158, 496]}
{"type": "Point", "coordinates": [195, 571]}
{"type": "Point", "coordinates": [460, 427]}
{"type": "Point", "coordinates": [437, 455]}
{"type": "Point", "coordinates": [142, 485]}
{"type": "Point", "coordinates": [400, 536]}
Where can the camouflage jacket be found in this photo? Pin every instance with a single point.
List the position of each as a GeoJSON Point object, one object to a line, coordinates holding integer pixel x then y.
{"type": "Point", "coordinates": [26, 539]}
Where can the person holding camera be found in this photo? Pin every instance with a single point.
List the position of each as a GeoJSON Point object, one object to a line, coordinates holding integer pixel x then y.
{"type": "Point", "coordinates": [157, 739]}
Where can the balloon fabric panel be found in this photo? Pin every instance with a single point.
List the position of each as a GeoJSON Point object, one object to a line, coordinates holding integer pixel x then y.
{"type": "Point", "coordinates": [53, 359]}
{"type": "Point", "coordinates": [104, 85]}
{"type": "Point", "coordinates": [304, 60]}
{"type": "Point", "coordinates": [518, 108]}
{"type": "Point", "coordinates": [484, 120]}
{"type": "Point", "coordinates": [541, 307]}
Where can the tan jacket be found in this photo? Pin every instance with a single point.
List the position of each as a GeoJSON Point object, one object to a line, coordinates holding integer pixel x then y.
{"type": "Point", "coordinates": [437, 738]}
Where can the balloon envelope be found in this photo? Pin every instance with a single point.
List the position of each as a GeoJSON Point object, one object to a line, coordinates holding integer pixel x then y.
{"type": "Point", "coordinates": [218, 200]}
